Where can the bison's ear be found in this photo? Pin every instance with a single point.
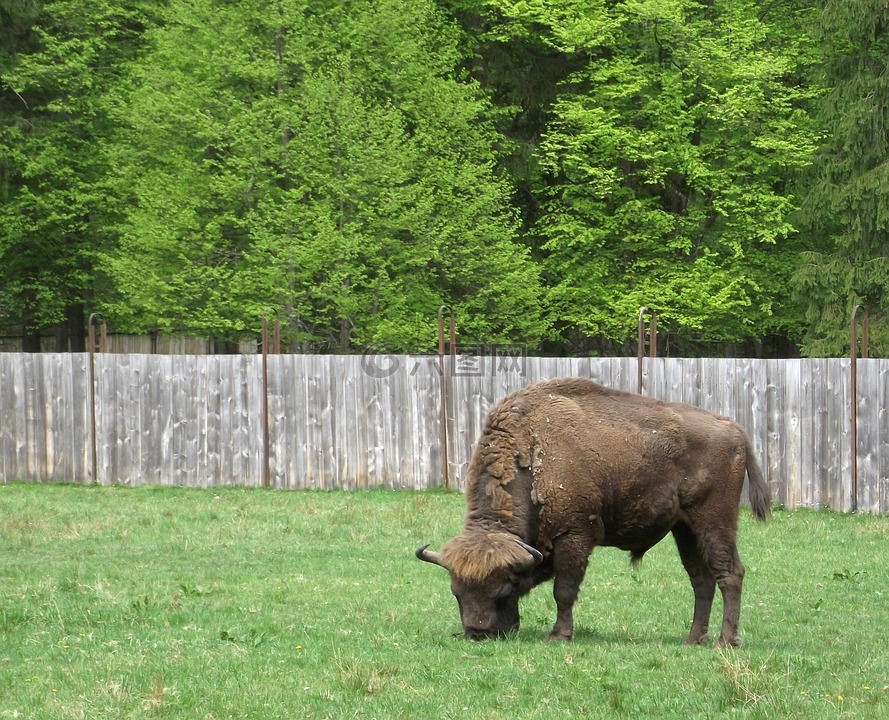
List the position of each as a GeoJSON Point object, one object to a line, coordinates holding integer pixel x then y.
{"type": "Point", "coordinates": [428, 556]}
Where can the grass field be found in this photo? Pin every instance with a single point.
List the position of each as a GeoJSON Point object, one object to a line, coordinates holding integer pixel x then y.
{"type": "Point", "coordinates": [164, 603]}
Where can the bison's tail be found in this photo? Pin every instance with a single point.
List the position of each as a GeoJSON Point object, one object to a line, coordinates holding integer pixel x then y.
{"type": "Point", "coordinates": [760, 497]}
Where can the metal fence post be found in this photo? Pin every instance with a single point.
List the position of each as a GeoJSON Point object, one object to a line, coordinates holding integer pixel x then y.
{"type": "Point", "coordinates": [92, 372]}
{"type": "Point", "coordinates": [652, 342]}
{"type": "Point", "coordinates": [266, 442]}
{"type": "Point", "coordinates": [442, 390]}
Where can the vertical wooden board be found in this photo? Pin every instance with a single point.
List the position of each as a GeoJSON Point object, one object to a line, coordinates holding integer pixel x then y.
{"type": "Point", "coordinates": [375, 388]}
{"type": "Point", "coordinates": [202, 370]}
{"type": "Point", "coordinates": [882, 393]}
{"type": "Point", "coordinates": [249, 422]}
{"type": "Point", "coordinates": [190, 389]}
{"type": "Point", "coordinates": [868, 427]}
{"type": "Point", "coordinates": [791, 427]}
{"type": "Point", "coordinates": [581, 367]}
{"type": "Point", "coordinates": [343, 378]}
{"type": "Point", "coordinates": [310, 426]}
{"type": "Point", "coordinates": [210, 467]}
{"type": "Point", "coordinates": [412, 437]}
{"type": "Point", "coordinates": [835, 435]}
{"type": "Point", "coordinates": [825, 469]}
{"type": "Point", "coordinates": [343, 421]}
{"type": "Point", "coordinates": [411, 443]}
{"type": "Point", "coordinates": [52, 416]}
{"type": "Point", "coordinates": [610, 369]}
{"type": "Point", "coordinates": [404, 431]}
{"type": "Point", "coordinates": [331, 441]}
{"type": "Point", "coordinates": [432, 413]}
{"type": "Point", "coordinates": [626, 377]}
{"type": "Point", "coordinates": [59, 440]}
{"type": "Point", "coordinates": [220, 461]}
{"type": "Point", "coordinates": [247, 449]}
{"type": "Point", "coordinates": [397, 465]}
{"type": "Point", "coordinates": [680, 383]}
{"type": "Point", "coordinates": [740, 392]}
{"type": "Point", "coordinates": [785, 443]}
{"type": "Point", "coordinates": [692, 379]}
{"type": "Point", "coordinates": [458, 397]}
{"type": "Point", "coordinates": [656, 372]}
{"type": "Point", "coordinates": [776, 441]}
{"type": "Point", "coordinates": [363, 478]}
{"type": "Point", "coordinates": [21, 375]}
{"type": "Point", "coordinates": [177, 440]}
{"type": "Point", "coordinates": [169, 424]}
{"type": "Point", "coordinates": [140, 373]}
{"type": "Point", "coordinates": [115, 370]}
{"type": "Point", "coordinates": [708, 383]}
{"type": "Point", "coordinates": [810, 409]}
{"type": "Point", "coordinates": [457, 431]}
{"type": "Point", "coordinates": [532, 371]}
{"type": "Point", "coordinates": [181, 387]}
{"type": "Point", "coordinates": [315, 422]}
{"type": "Point", "coordinates": [154, 401]}
{"type": "Point", "coordinates": [317, 401]}
{"type": "Point", "coordinates": [278, 421]}
{"type": "Point", "coordinates": [8, 426]}
{"type": "Point", "coordinates": [139, 418]}
{"type": "Point", "coordinates": [77, 421]}
{"type": "Point", "coordinates": [80, 420]}
{"type": "Point", "coordinates": [377, 407]}
{"type": "Point", "coordinates": [759, 404]}
{"type": "Point", "coordinates": [36, 433]}
{"type": "Point", "coordinates": [114, 377]}
{"type": "Point", "coordinates": [104, 414]}
{"type": "Point", "coordinates": [881, 398]}
{"type": "Point", "coordinates": [290, 417]}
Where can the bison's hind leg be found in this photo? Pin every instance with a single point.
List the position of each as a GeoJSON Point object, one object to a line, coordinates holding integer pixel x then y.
{"type": "Point", "coordinates": [719, 550]}
{"type": "Point", "coordinates": [702, 582]}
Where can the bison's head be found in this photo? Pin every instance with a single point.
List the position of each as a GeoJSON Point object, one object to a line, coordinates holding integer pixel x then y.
{"type": "Point", "coordinates": [486, 578]}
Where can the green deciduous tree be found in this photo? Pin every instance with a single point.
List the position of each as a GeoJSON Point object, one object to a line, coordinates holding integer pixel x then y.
{"type": "Point", "coordinates": [321, 158]}
{"type": "Point", "coordinates": [669, 159]}
{"type": "Point", "coordinates": [56, 80]}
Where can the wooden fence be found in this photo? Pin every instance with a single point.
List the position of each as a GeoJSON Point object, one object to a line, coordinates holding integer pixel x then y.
{"type": "Point", "coordinates": [375, 421]}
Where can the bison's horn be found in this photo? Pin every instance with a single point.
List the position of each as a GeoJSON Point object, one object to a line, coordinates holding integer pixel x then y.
{"type": "Point", "coordinates": [428, 556]}
{"type": "Point", "coordinates": [535, 560]}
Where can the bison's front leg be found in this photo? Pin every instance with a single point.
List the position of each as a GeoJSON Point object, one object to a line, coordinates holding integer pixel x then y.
{"type": "Point", "coordinates": [570, 556]}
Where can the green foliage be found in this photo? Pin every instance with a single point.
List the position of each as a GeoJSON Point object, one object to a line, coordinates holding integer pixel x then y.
{"type": "Point", "coordinates": [347, 180]}
{"type": "Point", "coordinates": [172, 603]}
{"type": "Point", "coordinates": [543, 167]}
{"type": "Point", "coordinates": [54, 217]}
{"type": "Point", "coordinates": [847, 208]}
{"type": "Point", "coordinates": [669, 162]}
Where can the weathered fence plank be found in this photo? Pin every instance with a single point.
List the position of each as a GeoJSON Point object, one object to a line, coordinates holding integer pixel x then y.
{"type": "Point", "coordinates": [358, 422]}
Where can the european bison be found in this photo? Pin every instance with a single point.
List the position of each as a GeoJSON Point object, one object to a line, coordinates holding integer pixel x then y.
{"type": "Point", "coordinates": [565, 465]}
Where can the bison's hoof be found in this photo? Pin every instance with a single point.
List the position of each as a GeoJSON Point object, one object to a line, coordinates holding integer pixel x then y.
{"type": "Point", "coordinates": [729, 642]}
{"type": "Point", "coordinates": [560, 635]}
{"type": "Point", "coordinates": [704, 639]}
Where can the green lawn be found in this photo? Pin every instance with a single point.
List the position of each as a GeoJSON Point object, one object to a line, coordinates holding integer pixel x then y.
{"type": "Point", "coordinates": [164, 603]}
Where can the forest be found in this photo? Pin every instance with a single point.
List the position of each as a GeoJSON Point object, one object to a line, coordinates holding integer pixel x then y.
{"type": "Point", "coordinates": [544, 168]}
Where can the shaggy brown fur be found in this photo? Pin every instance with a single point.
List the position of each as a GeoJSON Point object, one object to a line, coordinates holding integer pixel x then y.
{"type": "Point", "coordinates": [565, 465]}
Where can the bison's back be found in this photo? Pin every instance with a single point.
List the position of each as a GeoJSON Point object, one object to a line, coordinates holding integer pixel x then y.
{"type": "Point", "coordinates": [626, 460]}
